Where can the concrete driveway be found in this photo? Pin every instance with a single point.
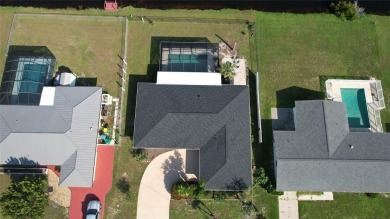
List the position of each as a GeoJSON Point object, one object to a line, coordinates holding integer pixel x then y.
{"type": "Point", "coordinates": [155, 189]}
{"type": "Point", "coordinates": [102, 184]}
{"type": "Point", "coordinates": [288, 206]}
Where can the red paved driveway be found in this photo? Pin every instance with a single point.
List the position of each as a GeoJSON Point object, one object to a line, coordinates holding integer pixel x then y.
{"type": "Point", "coordinates": [101, 185]}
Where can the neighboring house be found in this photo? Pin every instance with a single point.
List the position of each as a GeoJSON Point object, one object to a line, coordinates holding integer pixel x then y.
{"type": "Point", "coordinates": [212, 121]}
{"type": "Point", "coordinates": [315, 150]}
{"type": "Point", "coordinates": [42, 125]}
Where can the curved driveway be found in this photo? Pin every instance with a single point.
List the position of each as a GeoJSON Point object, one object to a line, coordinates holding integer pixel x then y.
{"type": "Point", "coordinates": [155, 189]}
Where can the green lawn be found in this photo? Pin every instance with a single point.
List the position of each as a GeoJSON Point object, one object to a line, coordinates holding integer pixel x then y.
{"type": "Point", "coordinates": [293, 52]}
{"type": "Point", "coordinates": [118, 205]}
{"type": "Point", "coordinates": [5, 25]}
{"type": "Point", "coordinates": [180, 209]}
{"type": "Point", "coordinates": [89, 47]}
{"type": "Point", "coordinates": [346, 205]}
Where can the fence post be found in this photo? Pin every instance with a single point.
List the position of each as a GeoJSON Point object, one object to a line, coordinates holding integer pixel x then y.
{"type": "Point", "coordinates": [124, 68]}
{"type": "Point", "coordinates": [11, 33]}
{"type": "Point", "coordinates": [258, 108]}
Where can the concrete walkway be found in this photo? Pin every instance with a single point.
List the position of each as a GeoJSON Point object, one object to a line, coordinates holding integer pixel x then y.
{"type": "Point", "coordinates": [326, 196]}
{"type": "Point", "coordinates": [155, 189]}
{"type": "Point", "coordinates": [288, 206]}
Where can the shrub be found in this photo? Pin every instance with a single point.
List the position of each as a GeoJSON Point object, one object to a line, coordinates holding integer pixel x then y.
{"type": "Point", "coordinates": [259, 178]}
{"type": "Point", "coordinates": [227, 70]}
{"type": "Point", "coordinates": [186, 190]}
{"type": "Point", "coordinates": [139, 154]}
{"type": "Point", "coordinates": [174, 194]}
{"type": "Point", "coordinates": [220, 196]}
{"type": "Point", "coordinates": [372, 195]}
{"type": "Point", "coordinates": [123, 185]}
{"type": "Point", "coordinates": [271, 189]}
{"type": "Point", "coordinates": [183, 190]}
{"type": "Point", "coordinates": [345, 10]}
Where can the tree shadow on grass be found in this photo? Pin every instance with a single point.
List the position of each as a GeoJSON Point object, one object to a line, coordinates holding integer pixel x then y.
{"type": "Point", "coordinates": [133, 80]}
{"type": "Point", "coordinates": [83, 81]}
{"type": "Point", "coordinates": [198, 204]}
{"type": "Point", "coordinates": [286, 98]}
{"type": "Point", "coordinates": [387, 127]}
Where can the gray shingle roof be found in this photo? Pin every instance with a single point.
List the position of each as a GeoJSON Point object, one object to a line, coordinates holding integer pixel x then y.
{"type": "Point", "coordinates": [317, 156]}
{"type": "Point", "coordinates": [212, 119]}
{"type": "Point", "coordinates": [63, 134]}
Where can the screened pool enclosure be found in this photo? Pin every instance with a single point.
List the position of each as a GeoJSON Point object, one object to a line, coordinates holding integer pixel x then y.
{"type": "Point", "coordinates": [188, 56]}
{"type": "Point", "coordinates": [27, 70]}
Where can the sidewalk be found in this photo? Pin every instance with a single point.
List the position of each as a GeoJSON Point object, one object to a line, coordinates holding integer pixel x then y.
{"type": "Point", "coordinates": [288, 206]}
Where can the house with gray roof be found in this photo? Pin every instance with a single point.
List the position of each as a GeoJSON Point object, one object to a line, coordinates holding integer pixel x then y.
{"type": "Point", "coordinates": [44, 125]}
{"type": "Point", "coordinates": [62, 134]}
{"type": "Point", "coordinates": [315, 150]}
{"type": "Point", "coordinates": [211, 120]}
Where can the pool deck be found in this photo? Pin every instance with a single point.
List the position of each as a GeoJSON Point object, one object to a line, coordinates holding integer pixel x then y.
{"type": "Point", "coordinates": [333, 92]}
{"type": "Point", "coordinates": [211, 63]}
{"type": "Point", "coordinates": [333, 88]}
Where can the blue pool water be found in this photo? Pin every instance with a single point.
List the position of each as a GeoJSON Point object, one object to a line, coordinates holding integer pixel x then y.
{"type": "Point", "coordinates": [187, 63]}
{"type": "Point", "coordinates": [32, 73]}
{"type": "Point", "coordinates": [355, 100]}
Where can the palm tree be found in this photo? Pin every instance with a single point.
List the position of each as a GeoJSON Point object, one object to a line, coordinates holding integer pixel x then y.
{"type": "Point", "coordinates": [227, 70]}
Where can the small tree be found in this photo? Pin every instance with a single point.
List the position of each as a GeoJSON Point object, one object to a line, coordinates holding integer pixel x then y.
{"type": "Point", "coordinates": [345, 10]}
{"type": "Point", "coordinates": [227, 70]}
{"type": "Point", "coordinates": [24, 199]}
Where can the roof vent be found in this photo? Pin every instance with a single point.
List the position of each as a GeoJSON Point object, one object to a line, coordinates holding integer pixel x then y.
{"type": "Point", "coordinates": [198, 96]}
{"type": "Point", "coordinates": [350, 146]}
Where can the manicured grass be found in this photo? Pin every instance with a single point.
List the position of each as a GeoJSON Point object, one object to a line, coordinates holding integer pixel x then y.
{"type": "Point", "coordinates": [144, 40]}
{"type": "Point", "coordinates": [5, 25]}
{"type": "Point", "coordinates": [224, 209]}
{"type": "Point", "coordinates": [90, 48]}
{"type": "Point", "coordinates": [294, 51]}
{"type": "Point", "coordinates": [118, 205]}
{"type": "Point", "coordinates": [346, 205]}
{"type": "Point", "coordinates": [266, 203]}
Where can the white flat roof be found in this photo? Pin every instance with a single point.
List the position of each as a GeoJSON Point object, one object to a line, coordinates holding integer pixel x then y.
{"type": "Point", "coordinates": [47, 96]}
{"type": "Point", "coordinates": [67, 79]}
{"type": "Point", "coordinates": [188, 78]}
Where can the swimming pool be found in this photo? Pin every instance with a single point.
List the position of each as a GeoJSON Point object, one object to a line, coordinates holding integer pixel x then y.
{"type": "Point", "coordinates": [32, 73]}
{"type": "Point", "coordinates": [355, 101]}
{"type": "Point", "coordinates": [187, 62]}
